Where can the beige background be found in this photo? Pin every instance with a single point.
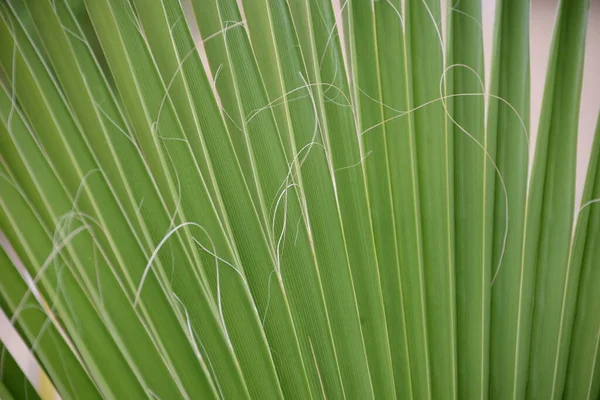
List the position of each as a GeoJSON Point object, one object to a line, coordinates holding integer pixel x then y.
{"type": "Point", "coordinates": [543, 13]}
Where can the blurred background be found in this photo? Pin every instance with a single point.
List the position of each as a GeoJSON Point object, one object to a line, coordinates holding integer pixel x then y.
{"type": "Point", "coordinates": [543, 13]}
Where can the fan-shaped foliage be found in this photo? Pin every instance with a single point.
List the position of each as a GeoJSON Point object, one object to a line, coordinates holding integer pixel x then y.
{"type": "Point", "coordinates": [333, 204]}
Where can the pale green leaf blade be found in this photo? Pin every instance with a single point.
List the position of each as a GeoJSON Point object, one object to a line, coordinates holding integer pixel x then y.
{"type": "Point", "coordinates": [582, 379]}
{"type": "Point", "coordinates": [474, 176]}
{"type": "Point", "coordinates": [551, 204]}
{"type": "Point", "coordinates": [434, 144]}
{"type": "Point", "coordinates": [508, 120]}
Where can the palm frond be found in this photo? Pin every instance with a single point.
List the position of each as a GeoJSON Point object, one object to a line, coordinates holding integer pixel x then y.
{"type": "Point", "coordinates": [309, 200]}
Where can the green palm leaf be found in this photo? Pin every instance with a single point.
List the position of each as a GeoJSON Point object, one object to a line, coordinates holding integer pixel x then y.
{"type": "Point", "coordinates": [293, 199]}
